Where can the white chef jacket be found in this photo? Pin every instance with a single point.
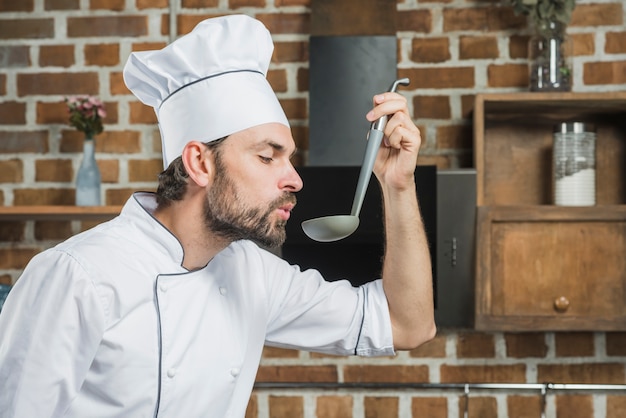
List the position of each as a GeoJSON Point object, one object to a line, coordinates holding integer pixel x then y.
{"type": "Point", "coordinates": [109, 324]}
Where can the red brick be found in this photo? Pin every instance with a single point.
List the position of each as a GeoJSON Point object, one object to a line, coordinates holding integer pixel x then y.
{"type": "Point", "coordinates": [291, 52]}
{"type": "Point", "coordinates": [295, 108]}
{"type": "Point", "coordinates": [431, 107]}
{"type": "Point", "coordinates": [615, 406]}
{"type": "Point", "coordinates": [574, 344]}
{"type": "Point", "coordinates": [615, 343]}
{"type": "Point", "coordinates": [281, 3]}
{"type": "Point", "coordinates": [605, 373]}
{"type": "Point", "coordinates": [286, 406]}
{"type": "Point", "coordinates": [116, 5]}
{"type": "Point", "coordinates": [53, 230]}
{"type": "Point", "coordinates": [17, 6]}
{"type": "Point", "coordinates": [252, 410]}
{"type": "Point", "coordinates": [236, 4]}
{"type": "Point", "coordinates": [54, 170]}
{"type": "Point", "coordinates": [12, 231]}
{"type": "Point", "coordinates": [615, 43]}
{"type": "Point", "coordinates": [523, 406]}
{"type": "Point", "coordinates": [103, 55]}
{"type": "Point", "coordinates": [439, 78]}
{"type": "Point", "coordinates": [278, 80]}
{"type": "Point", "coordinates": [3, 84]}
{"type": "Point", "coordinates": [57, 83]}
{"type": "Point", "coordinates": [61, 4]}
{"type": "Point", "coordinates": [301, 137]}
{"type": "Point", "coordinates": [297, 374]}
{"type": "Point", "coordinates": [379, 407]}
{"type": "Point", "coordinates": [185, 23]}
{"type": "Point", "coordinates": [467, 105]}
{"type": "Point", "coordinates": [475, 345]}
{"type": "Point", "coordinates": [103, 26]}
{"type": "Point", "coordinates": [144, 170]}
{"type": "Point", "coordinates": [454, 137]}
{"type": "Point", "coordinates": [583, 44]}
{"type": "Point", "coordinates": [198, 4]}
{"type": "Point", "coordinates": [479, 406]}
{"type": "Point", "coordinates": [16, 258]}
{"type": "Point", "coordinates": [507, 75]}
{"type": "Point", "coordinates": [26, 28]}
{"type": "Point", "coordinates": [43, 197]}
{"type": "Point", "coordinates": [56, 55]}
{"type": "Point", "coordinates": [430, 49]}
{"type": "Point", "coordinates": [275, 352]}
{"type": "Point", "coordinates": [147, 46]}
{"type": "Point", "coordinates": [429, 407]}
{"type": "Point", "coordinates": [52, 113]}
{"type": "Point", "coordinates": [302, 79]}
{"type": "Point", "coordinates": [518, 46]}
{"type": "Point", "coordinates": [435, 348]}
{"type": "Point", "coordinates": [597, 14]}
{"type": "Point", "coordinates": [532, 344]}
{"type": "Point", "coordinates": [595, 73]}
{"type": "Point", "coordinates": [420, 21]}
{"type": "Point", "coordinates": [477, 47]}
{"type": "Point", "coordinates": [281, 23]}
{"type": "Point", "coordinates": [116, 82]}
{"type": "Point", "coordinates": [15, 56]}
{"type": "Point", "coordinates": [12, 113]}
{"type": "Point", "coordinates": [119, 196]}
{"type": "Point", "coordinates": [513, 373]}
{"type": "Point", "coordinates": [574, 406]}
{"type": "Point", "coordinates": [369, 373]}
{"type": "Point", "coordinates": [11, 171]}
{"type": "Point", "coordinates": [163, 4]}
{"type": "Point", "coordinates": [141, 113]}
{"type": "Point", "coordinates": [334, 406]}
{"type": "Point", "coordinates": [482, 19]}
{"type": "Point", "coordinates": [23, 141]}
{"type": "Point", "coordinates": [6, 279]}
{"type": "Point", "coordinates": [109, 170]}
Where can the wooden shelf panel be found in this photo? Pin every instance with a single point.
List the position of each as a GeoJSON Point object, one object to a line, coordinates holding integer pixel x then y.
{"type": "Point", "coordinates": [58, 213]}
{"type": "Point", "coordinates": [513, 144]}
{"type": "Point", "coordinates": [530, 257]}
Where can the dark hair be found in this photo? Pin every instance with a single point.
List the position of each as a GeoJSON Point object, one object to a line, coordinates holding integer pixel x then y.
{"type": "Point", "coordinates": [173, 180]}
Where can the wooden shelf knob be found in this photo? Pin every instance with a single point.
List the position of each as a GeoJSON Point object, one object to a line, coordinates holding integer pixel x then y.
{"type": "Point", "coordinates": [561, 304]}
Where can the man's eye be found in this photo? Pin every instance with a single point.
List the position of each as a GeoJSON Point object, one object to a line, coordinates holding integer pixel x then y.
{"type": "Point", "coordinates": [266, 160]}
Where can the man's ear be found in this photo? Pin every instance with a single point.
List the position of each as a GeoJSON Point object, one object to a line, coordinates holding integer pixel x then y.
{"type": "Point", "coordinates": [198, 163]}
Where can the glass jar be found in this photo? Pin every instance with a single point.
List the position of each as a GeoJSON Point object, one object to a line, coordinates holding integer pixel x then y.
{"type": "Point", "coordinates": [550, 51]}
{"type": "Point", "coordinates": [574, 164]}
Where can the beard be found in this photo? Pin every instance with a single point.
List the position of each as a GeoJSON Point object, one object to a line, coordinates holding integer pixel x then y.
{"type": "Point", "coordinates": [226, 215]}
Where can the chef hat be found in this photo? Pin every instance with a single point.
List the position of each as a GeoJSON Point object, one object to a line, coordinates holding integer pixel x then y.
{"type": "Point", "coordinates": [207, 84]}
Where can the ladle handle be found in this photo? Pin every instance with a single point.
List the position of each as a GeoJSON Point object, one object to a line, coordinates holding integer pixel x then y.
{"type": "Point", "coordinates": [374, 138]}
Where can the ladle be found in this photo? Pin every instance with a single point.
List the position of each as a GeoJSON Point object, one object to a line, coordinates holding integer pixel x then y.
{"type": "Point", "coordinates": [336, 227]}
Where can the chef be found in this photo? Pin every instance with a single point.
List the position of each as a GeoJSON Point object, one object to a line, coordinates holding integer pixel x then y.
{"type": "Point", "coordinates": [164, 311]}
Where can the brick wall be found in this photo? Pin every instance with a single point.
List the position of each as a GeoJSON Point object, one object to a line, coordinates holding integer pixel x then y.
{"type": "Point", "coordinates": [451, 49]}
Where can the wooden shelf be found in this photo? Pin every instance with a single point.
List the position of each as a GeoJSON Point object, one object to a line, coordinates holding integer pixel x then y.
{"type": "Point", "coordinates": [541, 267]}
{"type": "Point", "coordinates": [58, 213]}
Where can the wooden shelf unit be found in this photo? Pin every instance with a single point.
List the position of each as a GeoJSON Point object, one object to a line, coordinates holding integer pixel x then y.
{"type": "Point", "coordinates": [542, 267]}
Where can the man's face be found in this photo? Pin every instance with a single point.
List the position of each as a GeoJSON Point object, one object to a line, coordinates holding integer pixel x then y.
{"type": "Point", "coordinates": [253, 187]}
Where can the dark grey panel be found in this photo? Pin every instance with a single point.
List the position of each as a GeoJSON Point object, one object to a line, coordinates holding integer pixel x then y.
{"type": "Point", "coordinates": [456, 221]}
{"type": "Point", "coordinates": [344, 74]}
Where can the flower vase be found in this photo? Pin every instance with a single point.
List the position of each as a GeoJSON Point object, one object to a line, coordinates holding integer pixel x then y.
{"type": "Point", "coordinates": [88, 177]}
{"type": "Point", "coordinates": [549, 58]}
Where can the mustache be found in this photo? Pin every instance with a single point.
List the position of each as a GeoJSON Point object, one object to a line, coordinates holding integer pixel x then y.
{"type": "Point", "coordinates": [287, 198]}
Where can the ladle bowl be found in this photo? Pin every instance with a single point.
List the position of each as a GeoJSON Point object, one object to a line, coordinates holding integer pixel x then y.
{"type": "Point", "coordinates": [330, 228]}
{"type": "Point", "coordinates": [334, 228]}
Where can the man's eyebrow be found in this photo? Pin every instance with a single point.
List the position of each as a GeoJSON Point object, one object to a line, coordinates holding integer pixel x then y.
{"type": "Point", "coordinates": [275, 146]}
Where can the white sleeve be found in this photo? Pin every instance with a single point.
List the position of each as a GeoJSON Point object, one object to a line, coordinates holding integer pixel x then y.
{"type": "Point", "coordinates": [309, 313]}
{"type": "Point", "coordinates": [50, 329]}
